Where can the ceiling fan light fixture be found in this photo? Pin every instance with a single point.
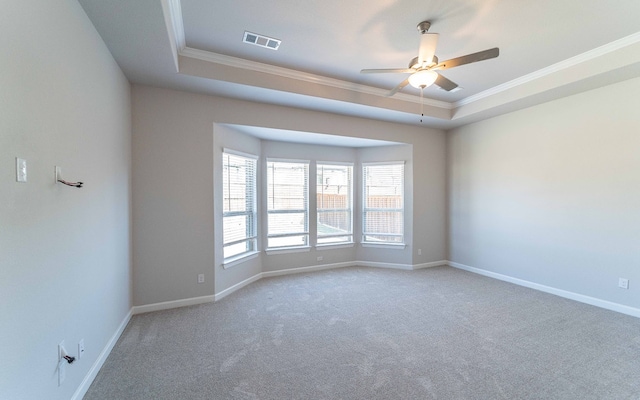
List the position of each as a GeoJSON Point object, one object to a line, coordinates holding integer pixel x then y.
{"type": "Point", "coordinates": [423, 79]}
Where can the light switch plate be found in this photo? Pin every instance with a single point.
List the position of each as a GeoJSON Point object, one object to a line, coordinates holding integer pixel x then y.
{"type": "Point", "coordinates": [21, 170]}
{"type": "Point", "coordinates": [62, 364]}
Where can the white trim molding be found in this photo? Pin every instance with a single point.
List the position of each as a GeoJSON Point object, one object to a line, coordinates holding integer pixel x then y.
{"type": "Point", "coordinates": [632, 311]}
{"type": "Point", "coordinates": [552, 69]}
{"type": "Point", "coordinates": [244, 257]}
{"type": "Point", "coordinates": [282, 72]}
{"type": "Point", "coordinates": [375, 264]}
{"type": "Point", "coordinates": [285, 250]}
{"type": "Point", "coordinates": [237, 286]}
{"type": "Point", "coordinates": [635, 312]}
{"type": "Point", "coordinates": [443, 263]}
{"type": "Point", "coordinates": [312, 268]}
{"type": "Point", "coordinates": [172, 11]}
{"type": "Point", "coordinates": [524, 90]}
{"type": "Point", "coordinates": [167, 305]}
{"type": "Point", "coordinates": [102, 357]}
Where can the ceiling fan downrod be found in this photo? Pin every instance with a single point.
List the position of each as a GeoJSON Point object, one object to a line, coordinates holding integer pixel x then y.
{"type": "Point", "coordinates": [423, 27]}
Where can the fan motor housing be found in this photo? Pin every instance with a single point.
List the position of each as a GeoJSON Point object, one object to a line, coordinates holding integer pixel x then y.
{"type": "Point", "coordinates": [413, 64]}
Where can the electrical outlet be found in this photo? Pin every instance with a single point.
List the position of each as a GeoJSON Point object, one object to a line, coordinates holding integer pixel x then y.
{"type": "Point", "coordinates": [80, 348]}
{"type": "Point", "coordinates": [320, 258]}
{"type": "Point", "coordinates": [62, 363]}
{"type": "Point", "coordinates": [623, 283]}
{"type": "Point", "coordinates": [419, 252]}
{"type": "Point", "coordinates": [57, 174]}
{"type": "Point", "coordinates": [200, 278]}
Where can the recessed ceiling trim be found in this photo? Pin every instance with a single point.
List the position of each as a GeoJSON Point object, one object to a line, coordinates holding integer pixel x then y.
{"type": "Point", "coordinates": [303, 76]}
{"type": "Point", "coordinates": [552, 69]}
{"type": "Point", "coordinates": [517, 89]}
{"type": "Point", "coordinates": [172, 11]}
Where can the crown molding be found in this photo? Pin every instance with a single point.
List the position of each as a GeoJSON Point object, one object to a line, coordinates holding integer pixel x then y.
{"type": "Point", "coordinates": [552, 69]}
{"type": "Point", "coordinates": [172, 11]}
{"type": "Point", "coordinates": [303, 76]}
{"type": "Point", "coordinates": [175, 29]}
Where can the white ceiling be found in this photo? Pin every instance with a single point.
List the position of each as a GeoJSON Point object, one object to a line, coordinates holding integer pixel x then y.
{"type": "Point", "coordinates": [548, 49]}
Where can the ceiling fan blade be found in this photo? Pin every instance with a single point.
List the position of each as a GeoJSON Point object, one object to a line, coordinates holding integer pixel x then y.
{"type": "Point", "coordinates": [387, 71]}
{"type": "Point", "coordinates": [469, 58]}
{"type": "Point", "coordinates": [428, 43]}
{"type": "Point", "coordinates": [445, 83]}
{"type": "Point", "coordinates": [399, 87]}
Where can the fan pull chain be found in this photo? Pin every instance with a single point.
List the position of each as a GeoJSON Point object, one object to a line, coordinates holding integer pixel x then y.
{"type": "Point", "coordinates": [421, 103]}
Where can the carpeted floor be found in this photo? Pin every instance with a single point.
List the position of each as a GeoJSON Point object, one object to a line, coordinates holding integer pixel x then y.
{"type": "Point", "coordinates": [365, 333]}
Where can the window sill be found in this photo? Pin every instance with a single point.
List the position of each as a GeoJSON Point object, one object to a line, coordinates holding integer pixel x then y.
{"type": "Point", "coordinates": [394, 246]}
{"type": "Point", "coordinates": [239, 259]}
{"type": "Point", "coordinates": [285, 250]}
{"type": "Point", "coordinates": [331, 246]}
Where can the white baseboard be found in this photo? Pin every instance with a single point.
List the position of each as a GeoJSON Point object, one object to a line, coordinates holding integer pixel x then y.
{"type": "Point", "coordinates": [406, 267]}
{"type": "Point", "coordinates": [237, 286]}
{"type": "Point", "coordinates": [442, 263]}
{"type": "Point", "coordinates": [166, 305]}
{"type": "Point", "coordinates": [322, 267]}
{"type": "Point", "coordinates": [218, 296]}
{"type": "Point", "coordinates": [635, 312]}
{"type": "Point", "coordinates": [102, 357]}
{"type": "Point", "coordinates": [308, 269]}
{"type": "Point", "coordinates": [375, 264]}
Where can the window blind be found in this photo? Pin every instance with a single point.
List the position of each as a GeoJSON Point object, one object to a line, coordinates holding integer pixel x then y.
{"type": "Point", "coordinates": [334, 203]}
{"type": "Point", "coordinates": [239, 205]}
{"type": "Point", "coordinates": [383, 203]}
{"type": "Point", "coordinates": [287, 203]}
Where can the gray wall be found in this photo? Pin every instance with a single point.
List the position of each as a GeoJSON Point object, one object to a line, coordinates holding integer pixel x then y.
{"type": "Point", "coordinates": [173, 176]}
{"type": "Point", "coordinates": [64, 252]}
{"type": "Point", "coordinates": [551, 194]}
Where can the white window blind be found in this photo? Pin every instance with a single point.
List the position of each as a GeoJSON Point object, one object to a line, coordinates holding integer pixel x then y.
{"type": "Point", "coordinates": [239, 205]}
{"type": "Point", "coordinates": [383, 208]}
{"type": "Point", "coordinates": [334, 203]}
{"type": "Point", "coordinates": [287, 203]}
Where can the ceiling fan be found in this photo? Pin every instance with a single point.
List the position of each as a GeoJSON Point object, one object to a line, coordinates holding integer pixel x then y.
{"type": "Point", "coordinates": [423, 69]}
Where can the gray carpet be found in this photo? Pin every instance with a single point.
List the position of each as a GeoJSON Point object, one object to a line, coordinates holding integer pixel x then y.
{"type": "Point", "coordinates": [364, 333]}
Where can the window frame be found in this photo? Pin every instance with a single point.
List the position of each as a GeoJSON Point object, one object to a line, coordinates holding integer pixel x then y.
{"type": "Point", "coordinates": [251, 236]}
{"type": "Point", "coordinates": [306, 210]}
{"type": "Point", "coordinates": [349, 209]}
{"type": "Point", "coordinates": [365, 209]}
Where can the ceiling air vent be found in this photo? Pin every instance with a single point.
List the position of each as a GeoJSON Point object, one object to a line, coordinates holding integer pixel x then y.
{"type": "Point", "coordinates": [261, 40]}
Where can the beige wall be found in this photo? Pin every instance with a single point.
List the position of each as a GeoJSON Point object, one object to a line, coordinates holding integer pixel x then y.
{"type": "Point", "coordinates": [173, 166]}
{"type": "Point", "coordinates": [551, 194]}
{"type": "Point", "coordinates": [64, 252]}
